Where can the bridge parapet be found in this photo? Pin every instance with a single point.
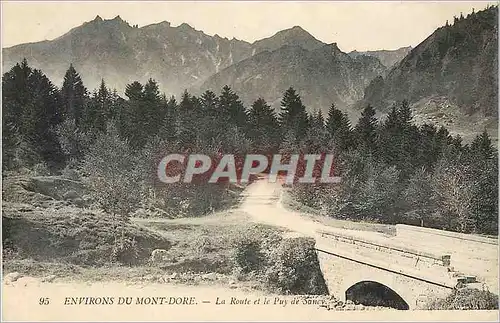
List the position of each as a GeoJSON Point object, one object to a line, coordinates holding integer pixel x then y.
{"type": "Point", "coordinates": [419, 232]}
{"type": "Point", "coordinates": [392, 248]}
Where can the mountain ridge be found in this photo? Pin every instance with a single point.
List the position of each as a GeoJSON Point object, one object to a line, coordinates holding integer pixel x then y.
{"type": "Point", "coordinates": [178, 57]}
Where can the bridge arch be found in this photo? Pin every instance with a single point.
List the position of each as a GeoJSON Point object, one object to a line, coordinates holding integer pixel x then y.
{"type": "Point", "coordinates": [372, 293]}
{"type": "Point", "coordinates": [395, 293]}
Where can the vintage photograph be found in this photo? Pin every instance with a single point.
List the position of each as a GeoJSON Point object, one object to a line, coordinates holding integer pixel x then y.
{"type": "Point", "coordinates": [249, 161]}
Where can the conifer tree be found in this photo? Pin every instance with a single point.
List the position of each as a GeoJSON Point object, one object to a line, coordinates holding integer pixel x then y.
{"type": "Point", "coordinates": [263, 128]}
{"type": "Point", "coordinates": [73, 95]}
{"type": "Point", "coordinates": [338, 128]}
{"type": "Point", "coordinates": [211, 121]}
{"type": "Point", "coordinates": [365, 130]}
{"type": "Point", "coordinates": [98, 109]}
{"type": "Point", "coordinates": [481, 147]}
{"type": "Point", "coordinates": [187, 129]}
{"type": "Point", "coordinates": [168, 128]}
{"type": "Point", "coordinates": [30, 113]}
{"type": "Point", "coordinates": [231, 107]}
{"type": "Point", "coordinates": [293, 116]}
{"type": "Point", "coordinates": [153, 112]}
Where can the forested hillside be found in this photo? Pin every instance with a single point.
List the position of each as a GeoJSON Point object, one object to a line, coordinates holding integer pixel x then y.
{"type": "Point", "coordinates": [392, 171]}
{"type": "Point", "coordinates": [459, 62]}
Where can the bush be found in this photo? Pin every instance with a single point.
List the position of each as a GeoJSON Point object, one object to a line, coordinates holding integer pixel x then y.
{"type": "Point", "coordinates": [294, 268]}
{"type": "Point", "coordinates": [248, 256]}
{"type": "Point", "coordinates": [125, 250]}
{"type": "Point", "coordinates": [466, 299]}
{"type": "Point", "coordinates": [41, 169]}
{"type": "Point", "coordinates": [73, 141]}
{"type": "Point", "coordinates": [111, 174]}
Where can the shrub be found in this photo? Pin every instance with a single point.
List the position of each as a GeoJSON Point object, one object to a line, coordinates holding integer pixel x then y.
{"type": "Point", "coordinates": [294, 268]}
{"type": "Point", "coordinates": [466, 299]}
{"type": "Point", "coordinates": [41, 169]}
{"type": "Point", "coordinates": [248, 256]}
{"type": "Point", "coordinates": [73, 141]}
{"type": "Point", "coordinates": [125, 250]}
{"type": "Point", "coordinates": [112, 174]}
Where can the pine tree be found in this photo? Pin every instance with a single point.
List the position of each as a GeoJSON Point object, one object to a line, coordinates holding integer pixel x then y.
{"type": "Point", "coordinates": [30, 113]}
{"type": "Point", "coordinates": [168, 128]}
{"type": "Point", "coordinates": [211, 121]}
{"type": "Point", "coordinates": [187, 129]}
{"type": "Point", "coordinates": [429, 149]}
{"type": "Point", "coordinates": [98, 109]}
{"type": "Point", "coordinates": [398, 140]}
{"type": "Point", "coordinates": [293, 116]}
{"type": "Point", "coordinates": [365, 130]}
{"type": "Point", "coordinates": [316, 138]}
{"type": "Point", "coordinates": [338, 128]}
{"type": "Point", "coordinates": [134, 91]}
{"type": "Point", "coordinates": [73, 95]}
{"type": "Point", "coordinates": [319, 121]}
{"type": "Point", "coordinates": [481, 147]}
{"type": "Point", "coordinates": [263, 128]}
{"type": "Point", "coordinates": [133, 121]}
{"type": "Point", "coordinates": [153, 113]}
{"type": "Point", "coordinates": [232, 108]}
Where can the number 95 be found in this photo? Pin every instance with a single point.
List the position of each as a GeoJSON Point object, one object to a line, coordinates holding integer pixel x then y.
{"type": "Point", "coordinates": [43, 301]}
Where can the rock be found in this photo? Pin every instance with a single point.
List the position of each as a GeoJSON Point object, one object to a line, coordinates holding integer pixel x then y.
{"type": "Point", "coordinates": [12, 277]}
{"type": "Point", "coordinates": [233, 284]}
{"type": "Point", "coordinates": [49, 279]}
{"type": "Point", "coordinates": [350, 307]}
{"type": "Point", "coordinates": [210, 276]}
{"type": "Point", "coordinates": [70, 195]}
{"type": "Point", "coordinates": [150, 278]}
{"type": "Point", "coordinates": [158, 255]}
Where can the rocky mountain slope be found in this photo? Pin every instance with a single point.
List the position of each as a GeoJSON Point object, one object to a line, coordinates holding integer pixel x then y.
{"type": "Point", "coordinates": [184, 58]}
{"type": "Point", "coordinates": [295, 36]}
{"type": "Point", "coordinates": [177, 57]}
{"type": "Point", "coordinates": [321, 76]}
{"type": "Point", "coordinates": [388, 58]}
{"type": "Point", "coordinates": [455, 69]}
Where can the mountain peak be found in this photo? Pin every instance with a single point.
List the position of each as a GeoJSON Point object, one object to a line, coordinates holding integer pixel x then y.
{"type": "Point", "coordinates": [185, 26]}
{"type": "Point", "coordinates": [98, 18]}
{"type": "Point", "coordinates": [292, 36]}
{"type": "Point", "coordinates": [117, 18]}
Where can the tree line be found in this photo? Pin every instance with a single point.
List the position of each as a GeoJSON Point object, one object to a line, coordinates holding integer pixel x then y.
{"type": "Point", "coordinates": [392, 170]}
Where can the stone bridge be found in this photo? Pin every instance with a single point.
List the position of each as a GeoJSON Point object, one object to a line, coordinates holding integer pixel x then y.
{"type": "Point", "coordinates": [403, 271]}
{"type": "Point", "coordinates": [388, 273]}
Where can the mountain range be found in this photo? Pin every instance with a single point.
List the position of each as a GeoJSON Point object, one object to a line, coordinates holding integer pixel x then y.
{"type": "Point", "coordinates": [182, 58]}
{"type": "Point", "coordinates": [453, 71]}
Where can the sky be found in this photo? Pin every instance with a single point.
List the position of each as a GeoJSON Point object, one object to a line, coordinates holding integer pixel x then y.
{"type": "Point", "coordinates": [352, 25]}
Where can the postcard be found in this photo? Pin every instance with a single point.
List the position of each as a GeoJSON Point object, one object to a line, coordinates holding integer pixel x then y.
{"type": "Point", "coordinates": [180, 161]}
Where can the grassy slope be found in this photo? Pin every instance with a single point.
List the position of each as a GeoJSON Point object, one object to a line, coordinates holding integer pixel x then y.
{"type": "Point", "coordinates": [44, 235]}
{"type": "Point", "coordinates": [199, 250]}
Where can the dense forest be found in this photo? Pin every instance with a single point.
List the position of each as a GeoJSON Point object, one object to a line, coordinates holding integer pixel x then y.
{"type": "Point", "coordinates": [392, 170]}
